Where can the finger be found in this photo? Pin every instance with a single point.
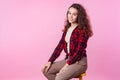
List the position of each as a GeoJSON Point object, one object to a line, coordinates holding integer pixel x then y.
{"type": "Point", "coordinates": [43, 70]}
{"type": "Point", "coordinates": [57, 74]}
{"type": "Point", "coordinates": [61, 70]}
{"type": "Point", "coordinates": [46, 70]}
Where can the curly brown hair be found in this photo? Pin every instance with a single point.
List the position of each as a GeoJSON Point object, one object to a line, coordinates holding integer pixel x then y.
{"type": "Point", "coordinates": [82, 20]}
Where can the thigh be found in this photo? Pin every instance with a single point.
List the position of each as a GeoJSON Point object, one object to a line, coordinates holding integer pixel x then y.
{"type": "Point", "coordinates": [73, 70]}
{"type": "Point", "coordinates": [80, 67]}
{"type": "Point", "coordinates": [56, 66]}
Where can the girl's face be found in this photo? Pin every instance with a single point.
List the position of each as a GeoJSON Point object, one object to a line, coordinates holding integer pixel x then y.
{"type": "Point", "coordinates": [72, 15]}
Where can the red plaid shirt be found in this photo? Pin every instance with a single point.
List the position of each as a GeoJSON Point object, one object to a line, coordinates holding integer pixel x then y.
{"type": "Point", "coordinates": [78, 44]}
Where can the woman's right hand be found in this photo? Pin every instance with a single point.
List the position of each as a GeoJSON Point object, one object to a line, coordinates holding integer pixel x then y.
{"type": "Point", "coordinates": [46, 67]}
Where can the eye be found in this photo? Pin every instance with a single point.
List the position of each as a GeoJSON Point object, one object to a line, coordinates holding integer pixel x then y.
{"type": "Point", "coordinates": [69, 12]}
{"type": "Point", "coordinates": [75, 14]}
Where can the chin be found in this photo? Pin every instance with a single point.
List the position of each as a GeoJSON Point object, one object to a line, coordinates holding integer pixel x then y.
{"type": "Point", "coordinates": [71, 22]}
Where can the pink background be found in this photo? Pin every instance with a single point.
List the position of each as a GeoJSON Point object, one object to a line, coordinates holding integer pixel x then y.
{"type": "Point", "coordinates": [31, 29]}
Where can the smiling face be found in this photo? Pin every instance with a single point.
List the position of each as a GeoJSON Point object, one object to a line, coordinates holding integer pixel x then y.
{"type": "Point", "coordinates": [72, 15]}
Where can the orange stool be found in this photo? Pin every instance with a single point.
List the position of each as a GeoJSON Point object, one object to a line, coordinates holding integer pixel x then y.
{"type": "Point", "coordinates": [81, 75]}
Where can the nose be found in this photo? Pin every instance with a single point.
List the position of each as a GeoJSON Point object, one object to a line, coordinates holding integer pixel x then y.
{"type": "Point", "coordinates": [71, 16]}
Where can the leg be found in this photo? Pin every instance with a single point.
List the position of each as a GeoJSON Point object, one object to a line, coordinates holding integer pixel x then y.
{"type": "Point", "coordinates": [55, 68]}
{"type": "Point", "coordinates": [73, 70]}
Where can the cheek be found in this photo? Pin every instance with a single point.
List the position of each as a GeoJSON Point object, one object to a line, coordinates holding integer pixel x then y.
{"type": "Point", "coordinates": [68, 16]}
{"type": "Point", "coordinates": [75, 17]}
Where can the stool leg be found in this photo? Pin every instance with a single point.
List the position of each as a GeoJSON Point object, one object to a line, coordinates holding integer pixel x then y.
{"type": "Point", "coordinates": [80, 78]}
{"type": "Point", "coordinates": [83, 74]}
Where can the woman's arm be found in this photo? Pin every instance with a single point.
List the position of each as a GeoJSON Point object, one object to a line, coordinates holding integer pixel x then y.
{"type": "Point", "coordinates": [57, 50]}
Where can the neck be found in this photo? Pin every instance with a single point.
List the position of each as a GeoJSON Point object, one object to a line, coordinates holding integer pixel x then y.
{"type": "Point", "coordinates": [74, 24]}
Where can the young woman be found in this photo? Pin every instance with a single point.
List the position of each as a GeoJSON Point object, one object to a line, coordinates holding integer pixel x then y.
{"type": "Point", "coordinates": [74, 42]}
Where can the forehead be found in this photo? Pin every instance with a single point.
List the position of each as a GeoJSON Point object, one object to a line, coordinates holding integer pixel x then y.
{"type": "Point", "coordinates": [73, 10]}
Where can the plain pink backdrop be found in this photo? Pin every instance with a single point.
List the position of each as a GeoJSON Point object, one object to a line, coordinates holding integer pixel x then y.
{"type": "Point", "coordinates": [31, 29]}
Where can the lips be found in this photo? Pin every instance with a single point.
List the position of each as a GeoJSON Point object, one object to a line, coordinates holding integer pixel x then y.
{"type": "Point", "coordinates": [70, 19]}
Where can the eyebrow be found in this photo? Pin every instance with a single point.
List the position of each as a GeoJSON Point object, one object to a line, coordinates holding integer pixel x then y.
{"type": "Point", "coordinates": [73, 13]}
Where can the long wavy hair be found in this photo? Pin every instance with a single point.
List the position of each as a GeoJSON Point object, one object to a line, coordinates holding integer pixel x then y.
{"type": "Point", "coordinates": [82, 20]}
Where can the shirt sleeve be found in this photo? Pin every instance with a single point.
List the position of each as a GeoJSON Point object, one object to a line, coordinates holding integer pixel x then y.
{"type": "Point", "coordinates": [57, 50]}
{"type": "Point", "coordinates": [82, 43]}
